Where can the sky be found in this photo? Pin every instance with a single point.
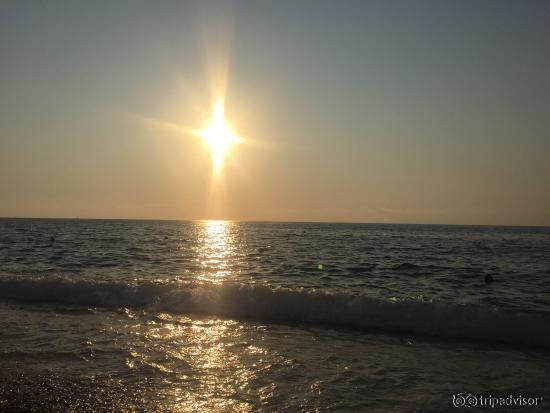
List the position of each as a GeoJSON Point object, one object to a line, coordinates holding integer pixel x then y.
{"type": "Point", "coordinates": [349, 111]}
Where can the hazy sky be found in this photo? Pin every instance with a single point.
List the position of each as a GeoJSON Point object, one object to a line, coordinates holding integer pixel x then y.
{"type": "Point", "coordinates": [370, 111]}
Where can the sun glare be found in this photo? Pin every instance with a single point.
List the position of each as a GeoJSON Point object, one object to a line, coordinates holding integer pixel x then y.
{"type": "Point", "coordinates": [218, 135]}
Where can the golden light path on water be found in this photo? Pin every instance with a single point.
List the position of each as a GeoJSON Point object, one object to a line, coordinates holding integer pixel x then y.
{"type": "Point", "coordinates": [217, 245]}
{"type": "Point", "coordinates": [210, 363]}
{"type": "Point", "coordinates": [196, 357]}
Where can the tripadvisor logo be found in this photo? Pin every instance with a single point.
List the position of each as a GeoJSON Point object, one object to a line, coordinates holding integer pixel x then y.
{"type": "Point", "coordinates": [474, 400]}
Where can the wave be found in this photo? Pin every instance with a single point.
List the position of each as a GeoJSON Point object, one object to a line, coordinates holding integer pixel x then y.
{"type": "Point", "coordinates": [262, 302]}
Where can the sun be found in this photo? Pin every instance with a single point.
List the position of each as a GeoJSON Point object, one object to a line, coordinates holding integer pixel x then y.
{"type": "Point", "coordinates": [218, 135]}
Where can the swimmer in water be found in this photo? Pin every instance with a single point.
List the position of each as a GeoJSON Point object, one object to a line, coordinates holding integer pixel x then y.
{"type": "Point", "coordinates": [488, 279]}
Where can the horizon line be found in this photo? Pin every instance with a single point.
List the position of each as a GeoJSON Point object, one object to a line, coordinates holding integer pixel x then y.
{"type": "Point", "coordinates": [276, 221]}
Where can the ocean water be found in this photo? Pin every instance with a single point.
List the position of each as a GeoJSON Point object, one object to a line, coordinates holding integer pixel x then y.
{"type": "Point", "coordinates": [116, 315]}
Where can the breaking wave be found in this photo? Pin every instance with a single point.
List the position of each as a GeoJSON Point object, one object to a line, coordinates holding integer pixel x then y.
{"type": "Point", "coordinates": [261, 302]}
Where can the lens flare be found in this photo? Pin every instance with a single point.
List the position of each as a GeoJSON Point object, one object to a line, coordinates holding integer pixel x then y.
{"type": "Point", "coordinates": [218, 135]}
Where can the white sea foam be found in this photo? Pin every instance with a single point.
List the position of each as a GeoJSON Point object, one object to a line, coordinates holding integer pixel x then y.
{"type": "Point", "coordinates": [260, 302]}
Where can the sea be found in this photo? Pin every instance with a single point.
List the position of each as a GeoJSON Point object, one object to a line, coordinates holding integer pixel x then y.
{"type": "Point", "coordinates": [222, 316]}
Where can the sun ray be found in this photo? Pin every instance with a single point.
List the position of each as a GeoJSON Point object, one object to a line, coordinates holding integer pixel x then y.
{"type": "Point", "coordinates": [218, 135]}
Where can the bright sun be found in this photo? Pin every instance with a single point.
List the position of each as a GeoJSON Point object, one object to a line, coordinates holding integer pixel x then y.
{"type": "Point", "coordinates": [218, 135]}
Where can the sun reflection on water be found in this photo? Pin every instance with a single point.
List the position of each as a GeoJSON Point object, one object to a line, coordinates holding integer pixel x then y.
{"type": "Point", "coordinates": [216, 247]}
{"type": "Point", "coordinates": [204, 363]}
